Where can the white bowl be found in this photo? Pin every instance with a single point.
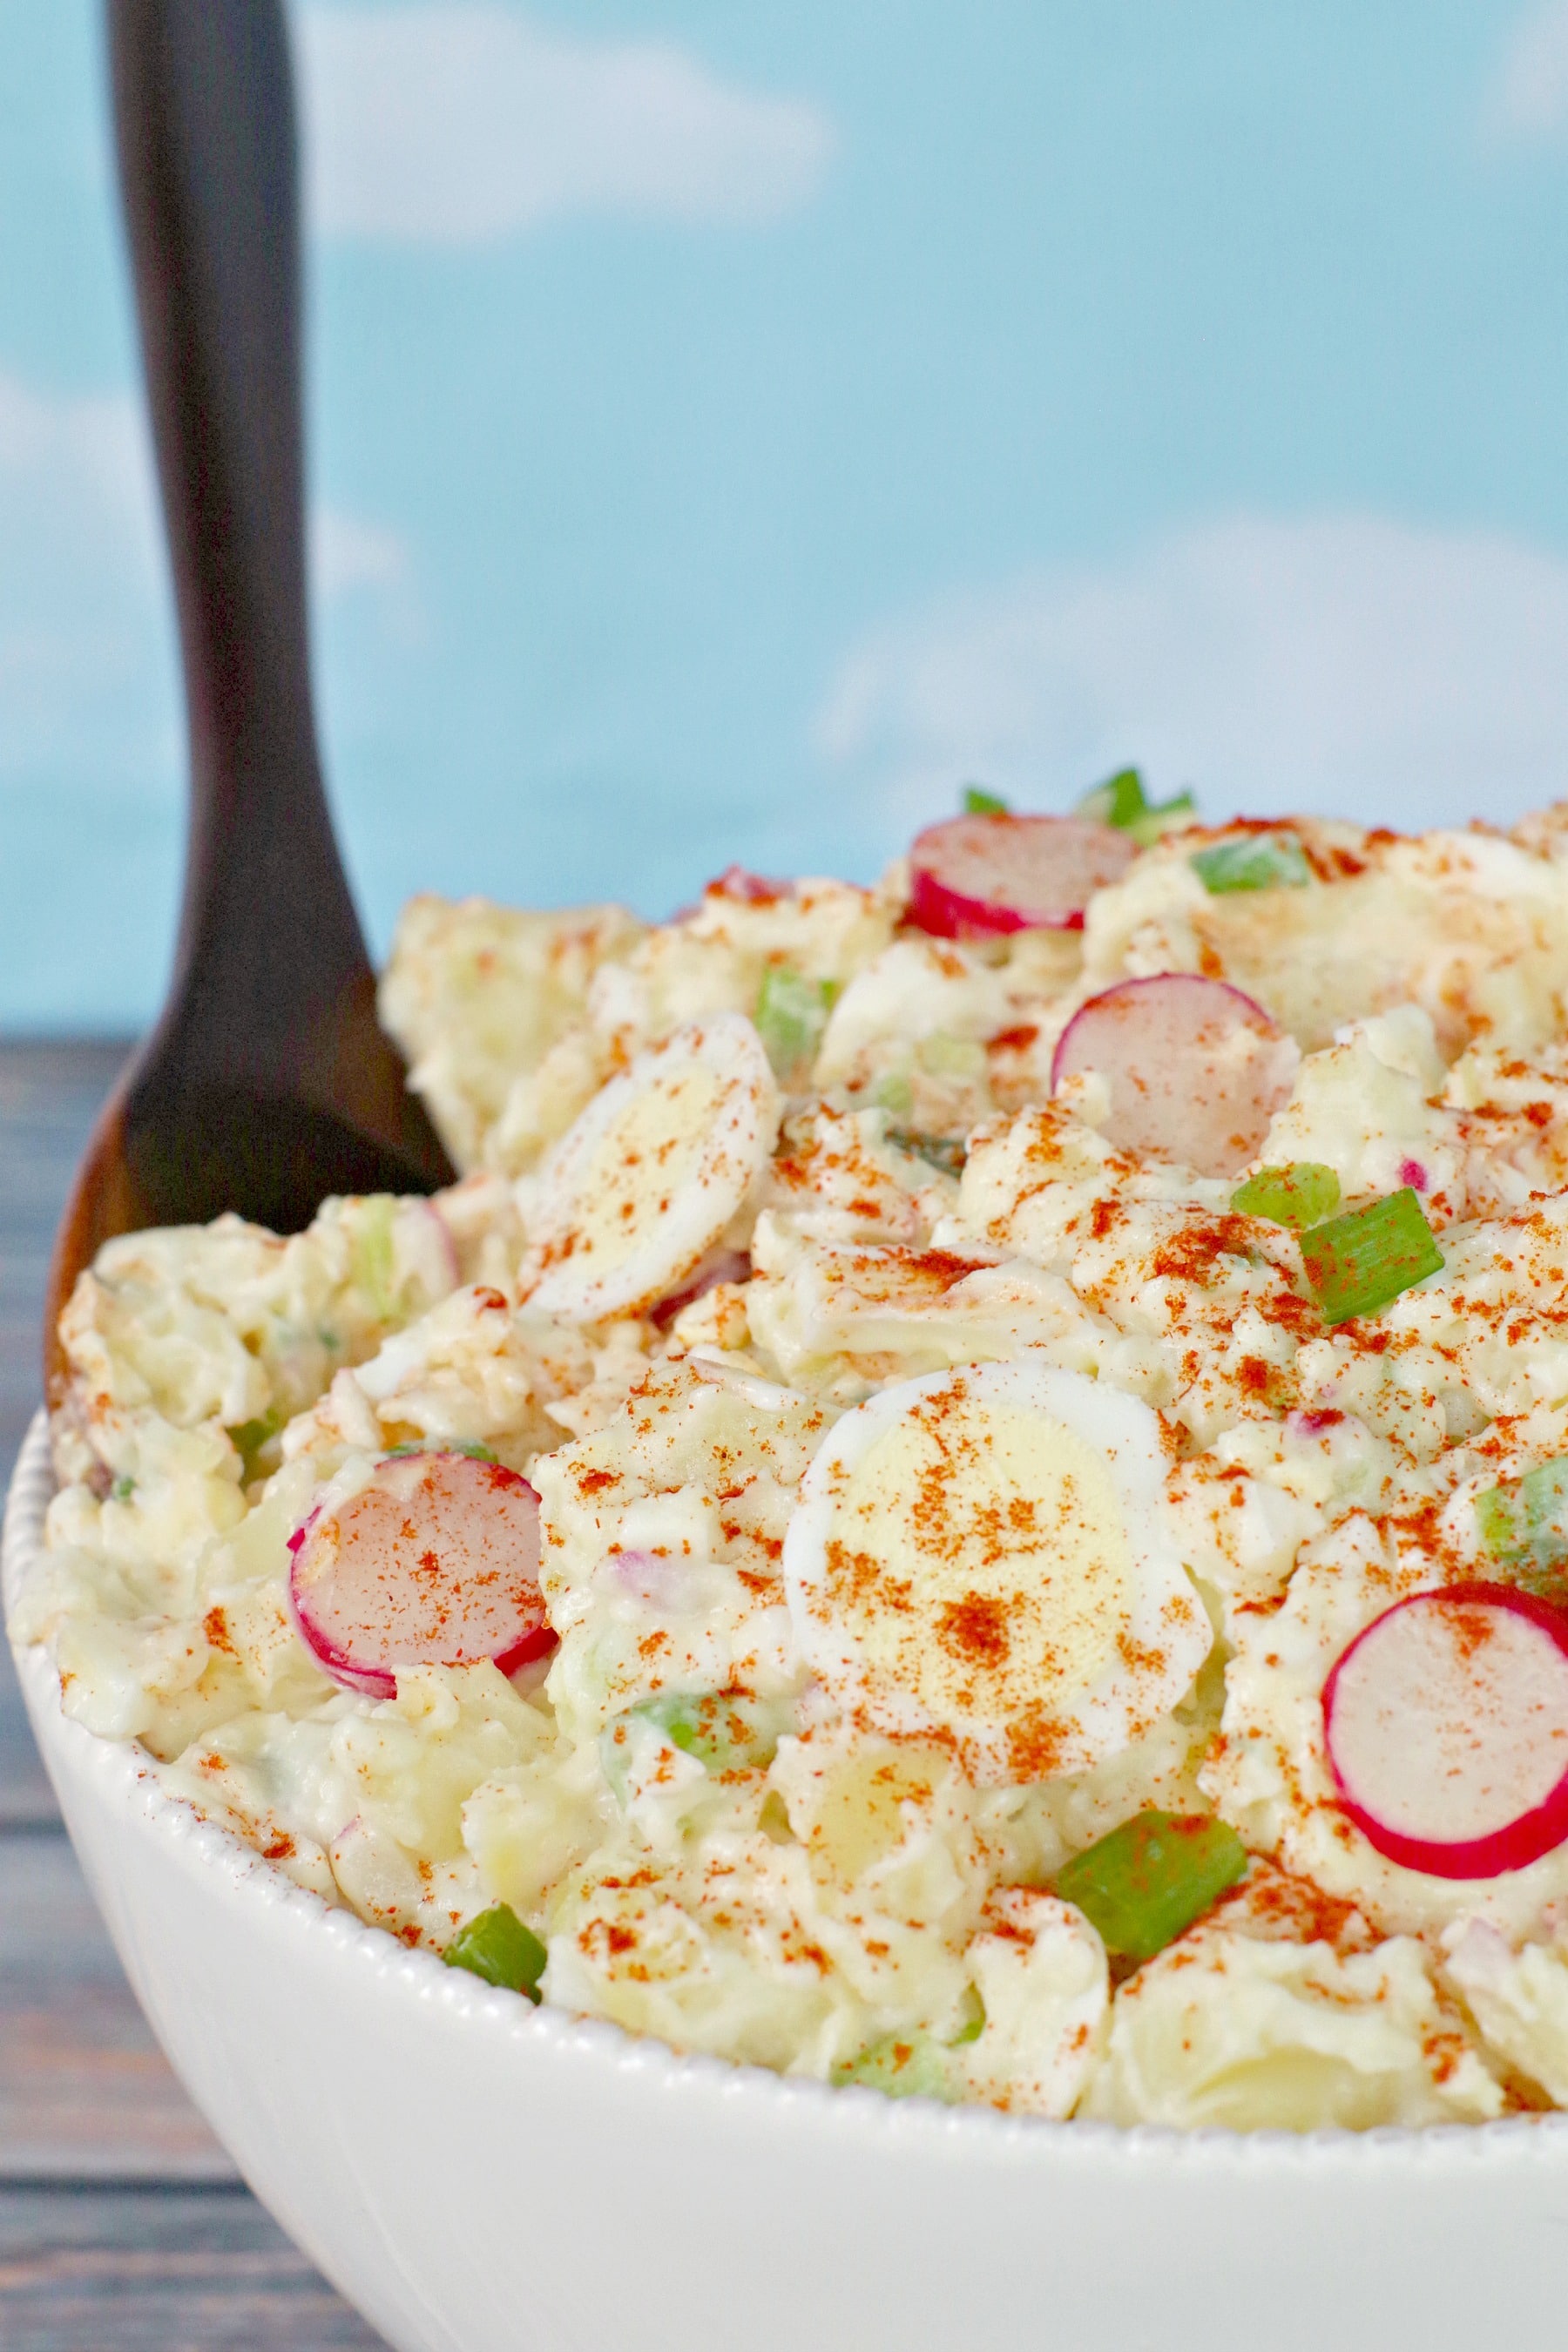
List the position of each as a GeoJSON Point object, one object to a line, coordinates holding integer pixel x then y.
{"type": "Point", "coordinates": [478, 2175]}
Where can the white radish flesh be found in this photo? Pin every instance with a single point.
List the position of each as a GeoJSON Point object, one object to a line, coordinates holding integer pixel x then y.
{"type": "Point", "coordinates": [434, 1562]}
{"type": "Point", "coordinates": [977, 876]}
{"type": "Point", "coordinates": [1197, 1069]}
{"type": "Point", "coordinates": [1447, 1727]}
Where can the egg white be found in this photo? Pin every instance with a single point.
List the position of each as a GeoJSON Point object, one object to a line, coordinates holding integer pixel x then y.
{"type": "Point", "coordinates": [980, 1554]}
{"type": "Point", "coordinates": [649, 1177]}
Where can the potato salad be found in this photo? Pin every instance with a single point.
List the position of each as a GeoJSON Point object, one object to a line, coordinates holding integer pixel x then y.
{"type": "Point", "coordinates": [969, 1495]}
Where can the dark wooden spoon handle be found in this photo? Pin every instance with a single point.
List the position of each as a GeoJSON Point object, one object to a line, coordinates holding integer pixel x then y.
{"type": "Point", "coordinates": [204, 117]}
{"type": "Point", "coordinates": [267, 1083]}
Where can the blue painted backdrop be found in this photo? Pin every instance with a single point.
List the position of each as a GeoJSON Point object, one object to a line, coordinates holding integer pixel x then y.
{"type": "Point", "coordinates": [731, 427]}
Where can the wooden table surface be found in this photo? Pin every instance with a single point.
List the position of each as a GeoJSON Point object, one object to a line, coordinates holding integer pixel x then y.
{"type": "Point", "coordinates": [123, 2227]}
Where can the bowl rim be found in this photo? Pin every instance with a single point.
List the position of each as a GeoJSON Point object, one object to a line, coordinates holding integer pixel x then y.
{"type": "Point", "coordinates": [126, 1778]}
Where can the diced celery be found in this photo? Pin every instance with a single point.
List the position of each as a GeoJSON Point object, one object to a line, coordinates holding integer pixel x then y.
{"type": "Point", "coordinates": [497, 1946]}
{"type": "Point", "coordinates": [614, 1759]}
{"type": "Point", "coordinates": [725, 1731]}
{"type": "Point", "coordinates": [974, 2024]}
{"type": "Point", "coordinates": [1146, 1883]}
{"type": "Point", "coordinates": [941, 1057]}
{"type": "Point", "coordinates": [978, 802]}
{"type": "Point", "coordinates": [373, 1259]}
{"type": "Point", "coordinates": [124, 1486]}
{"type": "Point", "coordinates": [894, 1093]}
{"type": "Point", "coordinates": [1301, 1193]}
{"type": "Point", "coordinates": [944, 1151]}
{"type": "Point", "coordinates": [792, 1014]}
{"type": "Point", "coordinates": [1261, 861]}
{"type": "Point", "coordinates": [1524, 1526]}
{"type": "Point", "coordinates": [1164, 816]}
{"type": "Point", "coordinates": [911, 2065]}
{"type": "Point", "coordinates": [1121, 801]}
{"type": "Point", "coordinates": [1363, 1261]}
{"type": "Point", "coordinates": [248, 1438]}
{"type": "Point", "coordinates": [475, 1453]}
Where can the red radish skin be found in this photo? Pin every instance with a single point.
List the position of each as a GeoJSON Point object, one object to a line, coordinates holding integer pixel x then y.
{"type": "Point", "coordinates": [720, 1265]}
{"type": "Point", "coordinates": [444, 1241]}
{"type": "Point", "coordinates": [752, 889]}
{"type": "Point", "coordinates": [980, 877]}
{"type": "Point", "coordinates": [1446, 1723]}
{"type": "Point", "coordinates": [433, 1563]}
{"type": "Point", "coordinates": [737, 882]}
{"type": "Point", "coordinates": [1196, 1068]}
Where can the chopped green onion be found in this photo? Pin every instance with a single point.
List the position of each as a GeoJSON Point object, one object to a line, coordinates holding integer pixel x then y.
{"type": "Point", "coordinates": [978, 802]}
{"type": "Point", "coordinates": [1524, 1526]}
{"type": "Point", "coordinates": [1146, 1883]}
{"type": "Point", "coordinates": [1299, 1194]}
{"type": "Point", "coordinates": [248, 1438]}
{"type": "Point", "coordinates": [893, 1092]}
{"type": "Point", "coordinates": [499, 1947]}
{"type": "Point", "coordinates": [792, 1014]}
{"type": "Point", "coordinates": [1121, 801]}
{"type": "Point", "coordinates": [1266, 861]}
{"type": "Point", "coordinates": [724, 1730]}
{"type": "Point", "coordinates": [974, 2024]}
{"type": "Point", "coordinates": [911, 2065]}
{"type": "Point", "coordinates": [1163, 816]}
{"type": "Point", "coordinates": [941, 1057]}
{"type": "Point", "coordinates": [1367, 1258]}
{"type": "Point", "coordinates": [947, 1152]}
{"type": "Point", "coordinates": [442, 1445]}
{"type": "Point", "coordinates": [123, 1488]}
{"type": "Point", "coordinates": [373, 1259]}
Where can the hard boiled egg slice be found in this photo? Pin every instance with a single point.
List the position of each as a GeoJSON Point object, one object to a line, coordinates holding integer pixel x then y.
{"type": "Point", "coordinates": [979, 1555]}
{"type": "Point", "coordinates": [645, 1181]}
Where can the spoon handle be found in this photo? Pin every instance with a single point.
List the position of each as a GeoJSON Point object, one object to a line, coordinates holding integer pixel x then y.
{"type": "Point", "coordinates": [269, 942]}
{"type": "Point", "coordinates": [266, 1084]}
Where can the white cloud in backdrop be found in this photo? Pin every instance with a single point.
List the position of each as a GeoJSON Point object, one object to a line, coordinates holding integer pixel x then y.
{"type": "Point", "coordinates": [347, 553]}
{"type": "Point", "coordinates": [462, 124]}
{"type": "Point", "coordinates": [1347, 663]}
{"type": "Point", "coordinates": [89, 686]}
{"type": "Point", "coordinates": [85, 674]}
{"type": "Point", "coordinates": [1529, 96]}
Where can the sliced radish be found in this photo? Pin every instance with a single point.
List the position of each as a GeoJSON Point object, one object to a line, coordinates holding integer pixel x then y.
{"type": "Point", "coordinates": [975, 877]}
{"type": "Point", "coordinates": [1447, 1727]}
{"type": "Point", "coordinates": [441, 1247]}
{"type": "Point", "coordinates": [1196, 1070]}
{"type": "Point", "coordinates": [752, 889]}
{"type": "Point", "coordinates": [434, 1562]}
{"type": "Point", "coordinates": [720, 1265]}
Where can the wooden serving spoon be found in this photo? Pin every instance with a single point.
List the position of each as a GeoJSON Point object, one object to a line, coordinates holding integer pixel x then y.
{"type": "Point", "coordinates": [267, 1083]}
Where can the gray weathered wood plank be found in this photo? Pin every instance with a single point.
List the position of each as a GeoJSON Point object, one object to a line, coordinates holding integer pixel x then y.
{"type": "Point", "coordinates": [123, 2226]}
{"type": "Point", "coordinates": [26, 1800]}
{"type": "Point", "coordinates": [144, 2271]}
{"type": "Point", "coordinates": [85, 2091]}
{"type": "Point", "coordinates": [50, 1094]}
